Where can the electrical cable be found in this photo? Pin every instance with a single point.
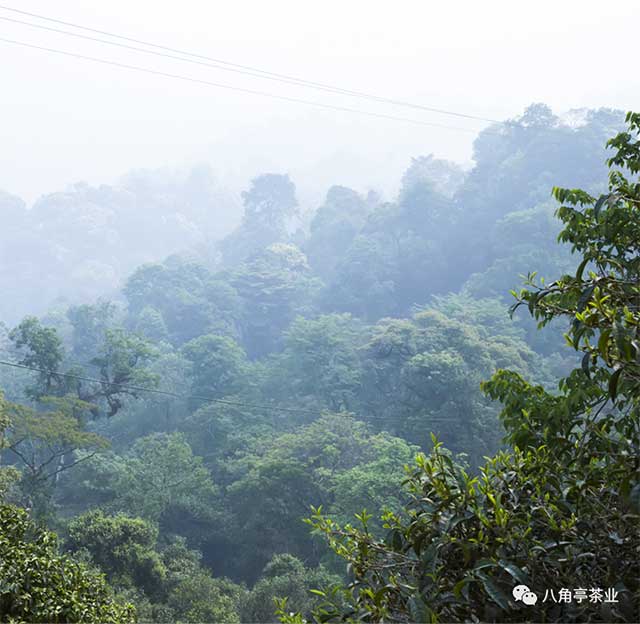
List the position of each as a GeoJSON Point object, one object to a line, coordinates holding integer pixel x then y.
{"type": "Point", "coordinates": [175, 395]}
{"type": "Point", "coordinates": [238, 89]}
{"type": "Point", "coordinates": [136, 388]}
{"type": "Point", "coordinates": [254, 71]}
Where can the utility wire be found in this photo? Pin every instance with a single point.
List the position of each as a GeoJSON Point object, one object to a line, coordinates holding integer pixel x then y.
{"type": "Point", "coordinates": [135, 388]}
{"type": "Point", "coordinates": [175, 395]}
{"type": "Point", "coordinates": [255, 74]}
{"type": "Point", "coordinates": [232, 88]}
{"type": "Point", "coordinates": [229, 66]}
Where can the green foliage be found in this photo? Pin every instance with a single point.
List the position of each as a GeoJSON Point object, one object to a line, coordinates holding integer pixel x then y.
{"type": "Point", "coordinates": [276, 285]}
{"type": "Point", "coordinates": [561, 508]}
{"type": "Point", "coordinates": [8, 474]}
{"type": "Point", "coordinates": [159, 478]}
{"type": "Point", "coordinates": [191, 594]}
{"type": "Point", "coordinates": [410, 249]}
{"type": "Point", "coordinates": [168, 584]}
{"type": "Point", "coordinates": [218, 364]}
{"type": "Point", "coordinates": [61, 427]}
{"type": "Point", "coordinates": [201, 598]}
{"type": "Point", "coordinates": [602, 296]}
{"type": "Point", "coordinates": [121, 546]}
{"type": "Point", "coordinates": [45, 444]}
{"type": "Point", "coordinates": [364, 284]}
{"type": "Point", "coordinates": [41, 348]}
{"type": "Point", "coordinates": [330, 460]}
{"type": "Point", "coordinates": [268, 504]}
{"type": "Point", "coordinates": [398, 257]}
{"type": "Point", "coordinates": [37, 584]}
{"type": "Point", "coordinates": [82, 243]}
{"type": "Point", "coordinates": [153, 412]}
{"type": "Point", "coordinates": [374, 483]}
{"type": "Point", "coordinates": [269, 204]}
{"type": "Point", "coordinates": [333, 228]}
{"type": "Point", "coordinates": [463, 542]}
{"type": "Point", "coordinates": [89, 323]}
{"type": "Point", "coordinates": [320, 362]}
{"type": "Point", "coordinates": [121, 361]}
{"type": "Point", "coordinates": [269, 201]}
{"type": "Point", "coordinates": [428, 173]}
{"type": "Point", "coordinates": [119, 356]}
{"type": "Point", "coordinates": [163, 476]}
{"type": "Point", "coordinates": [433, 365]}
{"type": "Point", "coordinates": [188, 300]}
{"type": "Point", "coordinates": [284, 575]}
{"type": "Point", "coordinates": [151, 325]}
{"type": "Point", "coordinates": [507, 228]}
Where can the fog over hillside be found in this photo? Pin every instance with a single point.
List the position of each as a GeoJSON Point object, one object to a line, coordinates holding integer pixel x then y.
{"type": "Point", "coordinates": [91, 238]}
{"type": "Point", "coordinates": [319, 313]}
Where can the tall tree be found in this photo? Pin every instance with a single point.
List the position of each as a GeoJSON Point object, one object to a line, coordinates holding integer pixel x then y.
{"type": "Point", "coordinates": [44, 443]}
{"type": "Point", "coordinates": [121, 361]}
{"type": "Point", "coordinates": [269, 204]}
{"type": "Point", "coordinates": [42, 349]}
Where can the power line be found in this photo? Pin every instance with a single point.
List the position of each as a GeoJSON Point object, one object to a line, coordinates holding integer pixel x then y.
{"type": "Point", "coordinates": [175, 395]}
{"type": "Point", "coordinates": [135, 388]}
{"type": "Point", "coordinates": [233, 88]}
{"type": "Point", "coordinates": [255, 74]}
{"type": "Point", "coordinates": [229, 66]}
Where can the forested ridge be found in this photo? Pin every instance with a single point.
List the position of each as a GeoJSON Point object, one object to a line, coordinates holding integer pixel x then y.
{"type": "Point", "coordinates": [358, 412]}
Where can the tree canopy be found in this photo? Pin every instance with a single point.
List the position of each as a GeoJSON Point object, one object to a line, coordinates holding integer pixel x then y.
{"type": "Point", "coordinates": [201, 385]}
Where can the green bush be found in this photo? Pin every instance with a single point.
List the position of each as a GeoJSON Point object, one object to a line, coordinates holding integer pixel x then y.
{"type": "Point", "coordinates": [37, 584]}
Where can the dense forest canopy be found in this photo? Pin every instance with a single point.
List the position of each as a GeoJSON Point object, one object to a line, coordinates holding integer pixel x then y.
{"type": "Point", "coordinates": [73, 246]}
{"type": "Point", "coordinates": [180, 388]}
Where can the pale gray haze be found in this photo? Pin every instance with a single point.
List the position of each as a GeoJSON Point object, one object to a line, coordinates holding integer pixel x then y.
{"type": "Point", "coordinates": [64, 120]}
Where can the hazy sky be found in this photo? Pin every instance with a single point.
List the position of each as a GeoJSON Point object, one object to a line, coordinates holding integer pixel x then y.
{"type": "Point", "coordinates": [63, 120]}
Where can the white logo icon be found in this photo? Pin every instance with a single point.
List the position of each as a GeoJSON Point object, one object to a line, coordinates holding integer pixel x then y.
{"type": "Point", "coordinates": [524, 594]}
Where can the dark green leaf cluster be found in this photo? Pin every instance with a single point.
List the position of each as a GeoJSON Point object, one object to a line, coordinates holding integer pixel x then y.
{"type": "Point", "coordinates": [167, 584]}
{"type": "Point", "coordinates": [37, 584]}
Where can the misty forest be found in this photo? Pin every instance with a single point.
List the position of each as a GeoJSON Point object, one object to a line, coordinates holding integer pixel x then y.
{"type": "Point", "coordinates": [371, 409]}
